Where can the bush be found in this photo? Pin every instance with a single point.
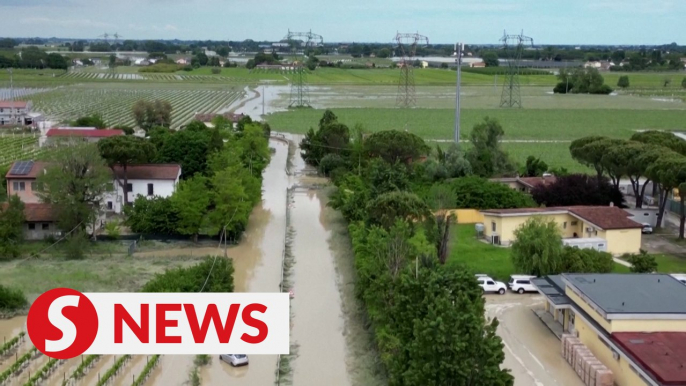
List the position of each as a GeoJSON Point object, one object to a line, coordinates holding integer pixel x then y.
{"type": "Point", "coordinates": [641, 262]}
{"type": "Point", "coordinates": [187, 67]}
{"type": "Point", "coordinates": [192, 279]}
{"type": "Point", "coordinates": [329, 163]}
{"type": "Point", "coordinates": [216, 70]}
{"type": "Point", "coordinates": [578, 189]}
{"type": "Point", "coordinates": [623, 81]}
{"type": "Point", "coordinates": [480, 193]}
{"type": "Point", "coordinates": [562, 88]}
{"type": "Point", "coordinates": [603, 90]}
{"type": "Point", "coordinates": [152, 216]}
{"type": "Point", "coordinates": [575, 260]}
{"type": "Point", "coordinates": [11, 299]}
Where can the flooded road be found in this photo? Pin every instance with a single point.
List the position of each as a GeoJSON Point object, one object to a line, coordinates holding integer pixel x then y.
{"type": "Point", "coordinates": [318, 323]}
{"type": "Point", "coordinates": [532, 351]}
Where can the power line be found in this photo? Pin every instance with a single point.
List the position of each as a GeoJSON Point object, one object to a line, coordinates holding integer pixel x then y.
{"type": "Point", "coordinates": [215, 256]}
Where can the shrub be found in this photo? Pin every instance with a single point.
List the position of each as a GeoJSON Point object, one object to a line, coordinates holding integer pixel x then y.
{"type": "Point", "coordinates": [479, 193]}
{"type": "Point", "coordinates": [641, 262]}
{"type": "Point", "coordinates": [217, 271]}
{"type": "Point", "coordinates": [216, 70]}
{"type": "Point", "coordinates": [11, 299]}
{"type": "Point", "coordinates": [329, 163]}
{"type": "Point", "coordinates": [623, 81]}
{"type": "Point", "coordinates": [575, 260]}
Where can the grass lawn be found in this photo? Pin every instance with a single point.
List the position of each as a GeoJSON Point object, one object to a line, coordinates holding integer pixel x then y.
{"type": "Point", "coordinates": [670, 264]}
{"type": "Point", "coordinates": [479, 257]}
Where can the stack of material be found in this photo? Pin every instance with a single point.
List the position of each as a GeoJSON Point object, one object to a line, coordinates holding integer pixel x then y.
{"type": "Point", "coordinates": [591, 371]}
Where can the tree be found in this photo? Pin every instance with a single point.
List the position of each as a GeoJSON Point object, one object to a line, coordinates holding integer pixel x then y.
{"type": "Point", "coordinates": [188, 148]}
{"type": "Point", "coordinates": [331, 138]}
{"type": "Point", "coordinates": [214, 274]}
{"type": "Point", "coordinates": [479, 193]}
{"type": "Point", "coordinates": [537, 249]}
{"type": "Point", "coordinates": [123, 151]}
{"type": "Point", "coordinates": [191, 201]}
{"type": "Point", "coordinates": [669, 171]}
{"type": "Point", "coordinates": [578, 189]}
{"type": "Point", "coordinates": [491, 59]}
{"type": "Point", "coordinates": [441, 198]}
{"type": "Point", "coordinates": [587, 157]}
{"type": "Point", "coordinates": [661, 138]}
{"type": "Point", "coordinates": [223, 51]}
{"type": "Point", "coordinates": [534, 167]}
{"type": "Point", "coordinates": [254, 149]}
{"type": "Point", "coordinates": [576, 260]}
{"type": "Point", "coordinates": [390, 207]}
{"type": "Point", "coordinates": [74, 184]}
{"type": "Point", "coordinates": [93, 120]}
{"type": "Point", "coordinates": [623, 81]}
{"type": "Point", "coordinates": [202, 58]}
{"type": "Point", "coordinates": [395, 146]}
{"type": "Point", "coordinates": [150, 114]}
{"type": "Point", "coordinates": [582, 81]}
{"type": "Point", "coordinates": [11, 227]}
{"type": "Point", "coordinates": [635, 158]}
{"type": "Point", "coordinates": [641, 262]}
{"type": "Point", "coordinates": [56, 61]}
{"type": "Point", "coordinates": [152, 216]}
{"type": "Point", "coordinates": [683, 83]}
{"type": "Point", "coordinates": [486, 156]}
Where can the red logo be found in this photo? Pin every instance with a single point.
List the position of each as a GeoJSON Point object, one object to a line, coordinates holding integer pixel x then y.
{"type": "Point", "coordinates": [62, 323]}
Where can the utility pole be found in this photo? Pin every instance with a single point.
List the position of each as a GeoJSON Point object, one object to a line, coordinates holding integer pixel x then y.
{"type": "Point", "coordinates": [458, 60]}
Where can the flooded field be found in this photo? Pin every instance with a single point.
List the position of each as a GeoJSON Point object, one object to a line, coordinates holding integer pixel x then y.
{"type": "Point", "coordinates": [532, 351]}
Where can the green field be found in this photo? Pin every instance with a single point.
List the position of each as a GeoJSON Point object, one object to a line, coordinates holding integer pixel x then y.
{"type": "Point", "coordinates": [18, 147]}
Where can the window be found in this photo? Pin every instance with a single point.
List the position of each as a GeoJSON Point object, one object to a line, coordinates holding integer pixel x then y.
{"type": "Point", "coordinates": [524, 282]}
{"type": "Point", "coordinates": [574, 223]}
{"type": "Point", "coordinates": [150, 190]}
{"type": "Point", "coordinates": [19, 186]}
{"type": "Point", "coordinates": [32, 226]}
{"type": "Point", "coordinates": [564, 225]}
{"type": "Point", "coordinates": [492, 226]}
{"type": "Point", "coordinates": [490, 282]}
{"type": "Point", "coordinates": [45, 226]}
{"type": "Point", "coordinates": [129, 188]}
{"type": "Point", "coordinates": [109, 205]}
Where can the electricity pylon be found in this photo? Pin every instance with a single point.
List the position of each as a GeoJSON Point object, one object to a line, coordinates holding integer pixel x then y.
{"type": "Point", "coordinates": [513, 45]}
{"type": "Point", "coordinates": [299, 92]}
{"type": "Point", "coordinates": [407, 45]}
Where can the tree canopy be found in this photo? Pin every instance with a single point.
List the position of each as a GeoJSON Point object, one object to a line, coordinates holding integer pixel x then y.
{"type": "Point", "coordinates": [11, 227]}
{"type": "Point", "coordinates": [395, 146]}
{"type": "Point", "coordinates": [486, 157]}
{"type": "Point", "coordinates": [123, 151]}
{"type": "Point", "coordinates": [479, 193]}
{"type": "Point", "coordinates": [537, 249]}
{"type": "Point", "coordinates": [577, 189]}
{"type": "Point", "coordinates": [150, 114]}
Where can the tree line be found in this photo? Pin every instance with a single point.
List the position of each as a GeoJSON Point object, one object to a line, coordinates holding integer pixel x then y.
{"type": "Point", "coordinates": [33, 57]}
{"type": "Point", "coordinates": [427, 316]}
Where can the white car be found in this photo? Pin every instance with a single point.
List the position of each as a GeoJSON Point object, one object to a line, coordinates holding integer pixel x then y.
{"type": "Point", "coordinates": [490, 285]}
{"type": "Point", "coordinates": [521, 283]}
{"type": "Point", "coordinates": [234, 360]}
{"type": "Point", "coordinates": [647, 228]}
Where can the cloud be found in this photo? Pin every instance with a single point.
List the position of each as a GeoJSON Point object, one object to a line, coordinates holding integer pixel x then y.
{"type": "Point", "coordinates": [79, 23]}
{"type": "Point", "coordinates": [154, 28]}
{"type": "Point", "coordinates": [37, 3]}
{"type": "Point", "coordinates": [634, 6]}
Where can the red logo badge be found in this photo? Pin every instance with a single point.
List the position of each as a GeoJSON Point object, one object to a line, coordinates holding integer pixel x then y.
{"type": "Point", "coordinates": [62, 323]}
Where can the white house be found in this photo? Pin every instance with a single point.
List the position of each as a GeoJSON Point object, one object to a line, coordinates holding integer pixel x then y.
{"type": "Point", "coordinates": [15, 113]}
{"type": "Point", "coordinates": [143, 180]}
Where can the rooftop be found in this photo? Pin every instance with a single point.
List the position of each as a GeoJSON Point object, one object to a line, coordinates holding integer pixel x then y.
{"type": "Point", "coordinates": [149, 172]}
{"type": "Point", "coordinates": [13, 104]}
{"type": "Point", "coordinates": [660, 353]}
{"type": "Point", "coordinates": [209, 117]}
{"type": "Point", "coordinates": [631, 293]}
{"type": "Point", "coordinates": [37, 212]}
{"type": "Point", "coordinates": [604, 217]}
{"type": "Point", "coordinates": [536, 181]}
{"type": "Point", "coordinates": [553, 288]}
{"type": "Point", "coordinates": [36, 168]}
{"type": "Point", "coordinates": [91, 133]}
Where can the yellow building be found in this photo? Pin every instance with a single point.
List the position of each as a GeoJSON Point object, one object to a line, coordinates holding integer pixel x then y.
{"type": "Point", "coordinates": [635, 324]}
{"type": "Point", "coordinates": [609, 223]}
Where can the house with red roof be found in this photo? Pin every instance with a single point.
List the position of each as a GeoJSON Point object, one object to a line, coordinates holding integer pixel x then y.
{"type": "Point", "coordinates": [86, 134]}
{"type": "Point", "coordinates": [16, 113]}
{"type": "Point", "coordinates": [593, 223]}
{"type": "Point", "coordinates": [40, 221]}
{"type": "Point", "coordinates": [525, 184]}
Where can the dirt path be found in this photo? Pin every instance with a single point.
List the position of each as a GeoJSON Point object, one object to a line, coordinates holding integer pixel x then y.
{"type": "Point", "coordinates": [532, 351]}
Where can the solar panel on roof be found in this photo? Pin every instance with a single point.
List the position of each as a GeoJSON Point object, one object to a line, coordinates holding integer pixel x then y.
{"type": "Point", "coordinates": [21, 168]}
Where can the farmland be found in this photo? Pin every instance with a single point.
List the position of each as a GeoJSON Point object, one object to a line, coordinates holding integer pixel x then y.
{"type": "Point", "coordinates": [18, 147]}
{"type": "Point", "coordinates": [114, 101]}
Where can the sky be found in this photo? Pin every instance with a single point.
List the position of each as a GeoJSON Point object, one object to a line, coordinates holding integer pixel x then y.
{"type": "Point", "coordinates": [443, 21]}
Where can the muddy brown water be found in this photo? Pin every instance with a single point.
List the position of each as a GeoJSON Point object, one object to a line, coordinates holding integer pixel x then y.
{"type": "Point", "coordinates": [532, 351]}
{"type": "Point", "coordinates": [317, 322]}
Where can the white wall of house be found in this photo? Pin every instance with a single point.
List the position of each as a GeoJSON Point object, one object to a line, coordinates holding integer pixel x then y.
{"type": "Point", "coordinates": [162, 188]}
{"type": "Point", "coordinates": [39, 230]}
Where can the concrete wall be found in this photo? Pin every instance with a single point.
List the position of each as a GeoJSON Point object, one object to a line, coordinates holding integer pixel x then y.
{"type": "Point", "coordinates": [620, 241]}
{"type": "Point", "coordinates": [467, 216]}
{"type": "Point", "coordinates": [644, 216]}
{"type": "Point", "coordinates": [38, 233]}
{"type": "Point", "coordinates": [27, 195]}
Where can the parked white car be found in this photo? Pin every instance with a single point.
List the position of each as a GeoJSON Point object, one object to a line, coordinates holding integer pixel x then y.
{"type": "Point", "coordinates": [521, 284]}
{"type": "Point", "coordinates": [490, 285]}
{"type": "Point", "coordinates": [647, 228]}
{"type": "Point", "coordinates": [234, 360]}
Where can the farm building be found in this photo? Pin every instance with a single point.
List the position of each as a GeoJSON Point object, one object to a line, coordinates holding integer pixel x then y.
{"type": "Point", "coordinates": [633, 325]}
{"type": "Point", "coordinates": [16, 113]}
{"type": "Point", "coordinates": [39, 221]}
{"type": "Point", "coordinates": [143, 180]}
{"type": "Point", "coordinates": [610, 223]}
{"type": "Point", "coordinates": [525, 184]}
{"type": "Point", "coordinates": [87, 134]}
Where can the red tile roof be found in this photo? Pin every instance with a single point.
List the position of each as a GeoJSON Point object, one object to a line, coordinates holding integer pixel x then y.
{"type": "Point", "coordinates": [605, 217]}
{"type": "Point", "coordinates": [149, 172]}
{"type": "Point", "coordinates": [661, 353]}
{"type": "Point", "coordinates": [37, 212]}
{"type": "Point", "coordinates": [15, 104]}
{"type": "Point", "coordinates": [38, 166]}
{"type": "Point", "coordinates": [84, 133]}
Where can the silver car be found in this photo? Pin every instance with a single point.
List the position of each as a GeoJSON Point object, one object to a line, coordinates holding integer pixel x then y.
{"type": "Point", "coordinates": [234, 360]}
